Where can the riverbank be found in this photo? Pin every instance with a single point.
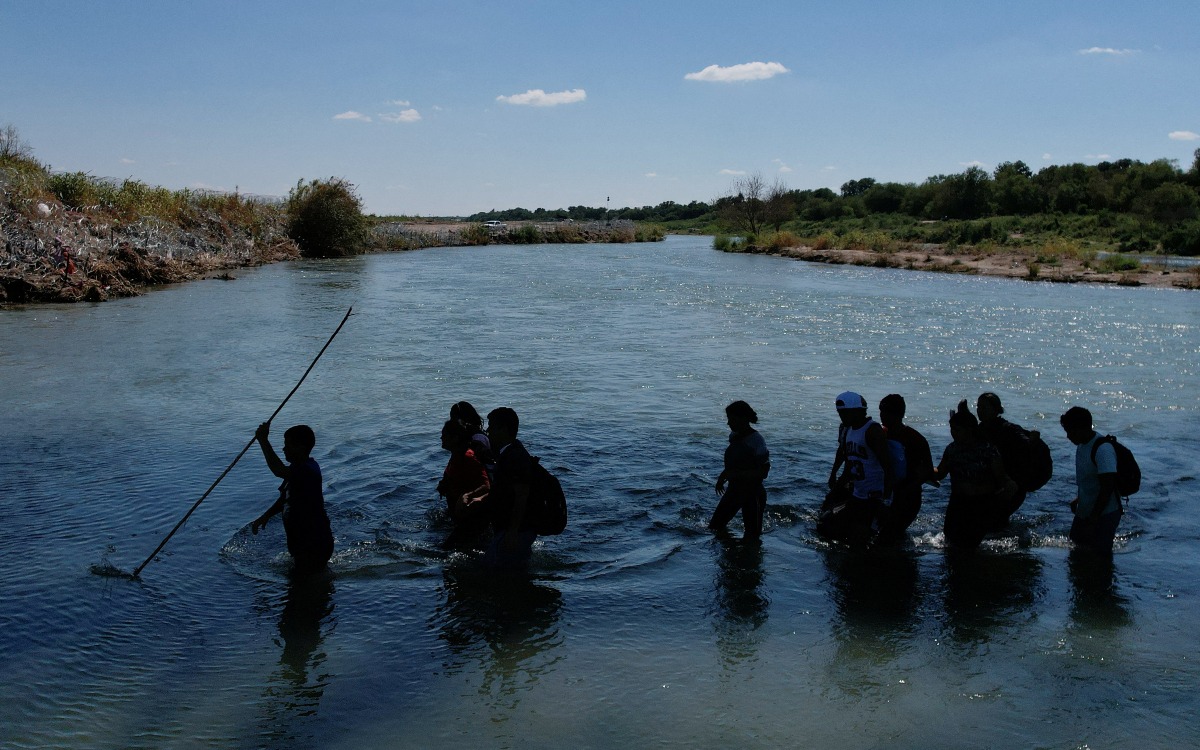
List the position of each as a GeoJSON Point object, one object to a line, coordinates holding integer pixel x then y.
{"type": "Point", "coordinates": [1066, 266]}
{"type": "Point", "coordinates": [52, 253]}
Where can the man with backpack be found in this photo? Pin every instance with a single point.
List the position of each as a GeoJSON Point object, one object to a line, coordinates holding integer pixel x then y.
{"type": "Point", "coordinates": [1097, 507]}
{"type": "Point", "coordinates": [513, 519]}
{"type": "Point", "coordinates": [1025, 455]}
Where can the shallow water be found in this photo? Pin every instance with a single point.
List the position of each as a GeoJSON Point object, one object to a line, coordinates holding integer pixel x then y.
{"type": "Point", "coordinates": [636, 626]}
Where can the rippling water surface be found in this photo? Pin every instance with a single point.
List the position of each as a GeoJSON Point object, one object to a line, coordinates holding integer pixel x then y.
{"type": "Point", "coordinates": [636, 626]}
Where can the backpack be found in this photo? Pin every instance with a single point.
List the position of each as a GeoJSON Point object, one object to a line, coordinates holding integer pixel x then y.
{"type": "Point", "coordinates": [1129, 474]}
{"type": "Point", "coordinates": [547, 498]}
{"type": "Point", "coordinates": [1033, 464]}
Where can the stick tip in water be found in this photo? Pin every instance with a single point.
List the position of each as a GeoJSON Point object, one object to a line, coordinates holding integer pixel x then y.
{"type": "Point", "coordinates": [108, 570]}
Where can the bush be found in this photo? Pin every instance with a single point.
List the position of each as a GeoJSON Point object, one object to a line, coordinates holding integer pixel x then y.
{"type": "Point", "coordinates": [325, 218]}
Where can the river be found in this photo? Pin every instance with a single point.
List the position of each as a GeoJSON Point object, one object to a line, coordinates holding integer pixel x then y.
{"type": "Point", "coordinates": [636, 627]}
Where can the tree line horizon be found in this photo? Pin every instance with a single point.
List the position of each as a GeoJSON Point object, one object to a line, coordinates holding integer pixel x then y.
{"type": "Point", "coordinates": [1141, 206]}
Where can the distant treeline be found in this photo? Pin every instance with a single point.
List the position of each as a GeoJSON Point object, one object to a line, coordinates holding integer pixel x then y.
{"type": "Point", "coordinates": [1132, 205]}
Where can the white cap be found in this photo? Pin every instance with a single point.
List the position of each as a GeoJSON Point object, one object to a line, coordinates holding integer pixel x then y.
{"type": "Point", "coordinates": [850, 400]}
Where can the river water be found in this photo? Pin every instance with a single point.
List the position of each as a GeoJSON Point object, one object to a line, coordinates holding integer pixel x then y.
{"type": "Point", "coordinates": [636, 626]}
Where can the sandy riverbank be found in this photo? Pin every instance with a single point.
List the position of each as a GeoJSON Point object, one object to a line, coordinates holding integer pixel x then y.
{"type": "Point", "coordinates": [1014, 264]}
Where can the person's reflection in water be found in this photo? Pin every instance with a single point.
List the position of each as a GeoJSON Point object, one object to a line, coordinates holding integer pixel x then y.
{"type": "Point", "coordinates": [877, 600]}
{"type": "Point", "coordinates": [304, 623]}
{"type": "Point", "coordinates": [987, 592]}
{"type": "Point", "coordinates": [508, 623]}
{"type": "Point", "coordinates": [740, 600]}
{"type": "Point", "coordinates": [1096, 601]}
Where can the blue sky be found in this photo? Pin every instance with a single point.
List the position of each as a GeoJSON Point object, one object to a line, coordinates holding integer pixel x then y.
{"type": "Point", "coordinates": [450, 108]}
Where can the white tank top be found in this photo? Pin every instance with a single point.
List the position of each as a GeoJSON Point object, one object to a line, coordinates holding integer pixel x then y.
{"type": "Point", "coordinates": [862, 465]}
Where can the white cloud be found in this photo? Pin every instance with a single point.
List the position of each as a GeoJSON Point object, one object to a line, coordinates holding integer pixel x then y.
{"type": "Point", "coordinates": [127, 160]}
{"type": "Point", "coordinates": [830, 168]}
{"type": "Point", "coordinates": [732, 171]}
{"type": "Point", "coordinates": [651, 174]}
{"type": "Point", "coordinates": [1101, 157]}
{"type": "Point", "coordinates": [1112, 51]}
{"type": "Point", "coordinates": [1183, 135]}
{"type": "Point", "coordinates": [1047, 156]}
{"type": "Point", "coordinates": [539, 98]}
{"type": "Point", "coordinates": [408, 115]}
{"type": "Point", "coordinates": [782, 167]}
{"type": "Point", "coordinates": [352, 115]}
{"type": "Point", "coordinates": [400, 103]}
{"type": "Point", "coordinates": [975, 163]}
{"type": "Point", "coordinates": [752, 71]}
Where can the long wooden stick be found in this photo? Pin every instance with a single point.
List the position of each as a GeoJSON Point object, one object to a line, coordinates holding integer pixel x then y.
{"type": "Point", "coordinates": [229, 468]}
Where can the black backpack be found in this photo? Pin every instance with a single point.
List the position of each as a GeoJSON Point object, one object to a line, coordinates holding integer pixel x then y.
{"type": "Point", "coordinates": [548, 501]}
{"type": "Point", "coordinates": [1034, 464]}
{"type": "Point", "coordinates": [1129, 474]}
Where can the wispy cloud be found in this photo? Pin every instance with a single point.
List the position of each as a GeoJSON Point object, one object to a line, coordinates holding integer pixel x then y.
{"type": "Point", "coordinates": [1110, 51]}
{"type": "Point", "coordinates": [539, 98]}
{"type": "Point", "coordinates": [408, 115]}
{"type": "Point", "coordinates": [1047, 156]}
{"type": "Point", "coordinates": [975, 163]}
{"type": "Point", "coordinates": [784, 168]}
{"type": "Point", "coordinates": [1101, 157]}
{"type": "Point", "coordinates": [751, 71]}
{"type": "Point", "coordinates": [651, 174]}
{"type": "Point", "coordinates": [735, 172]}
{"type": "Point", "coordinates": [352, 115]}
{"type": "Point", "coordinates": [400, 103]}
{"type": "Point", "coordinates": [127, 160]}
{"type": "Point", "coordinates": [1183, 135]}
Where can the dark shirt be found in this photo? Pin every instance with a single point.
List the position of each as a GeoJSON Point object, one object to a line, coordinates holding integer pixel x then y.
{"type": "Point", "coordinates": [514, 466]}
{"type": "Point", "coordinates": [304, 517]}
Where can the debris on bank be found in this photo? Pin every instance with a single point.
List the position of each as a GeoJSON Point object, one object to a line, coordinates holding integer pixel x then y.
{"type": "Point", "coordinates": [52, 253]}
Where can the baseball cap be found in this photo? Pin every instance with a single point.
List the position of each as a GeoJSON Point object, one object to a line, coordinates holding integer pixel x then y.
{"type": "Point", "coordinates": [850, 400]}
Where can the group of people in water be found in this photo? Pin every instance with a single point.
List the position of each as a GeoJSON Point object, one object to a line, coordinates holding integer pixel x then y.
{"type": "Point", "coordinates": [875, 483]}
{"type": "Point", "coordinates": [880, 468]}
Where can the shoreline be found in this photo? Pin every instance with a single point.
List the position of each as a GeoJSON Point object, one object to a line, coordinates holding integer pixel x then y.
{"type": "Point", "coordinates": [1010, 264]}
{"type": "Point", "coordinates": [112, 262]}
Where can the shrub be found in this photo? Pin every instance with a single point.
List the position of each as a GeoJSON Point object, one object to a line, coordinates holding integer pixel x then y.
{"type": "Point", "coordinates": [524, 235]}
{"type": "Point", "coordinates": [325, 218]}
{"type": "Point", "coordinates": [781, 240]}
{"type": "Point", "coordinates": [1116, 262]}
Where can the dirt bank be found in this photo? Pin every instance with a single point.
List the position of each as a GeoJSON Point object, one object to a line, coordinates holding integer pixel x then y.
{"type": "Point", "coordinates": [54, 254]}
{"type": "Point", "coordinates": [1014, 264]}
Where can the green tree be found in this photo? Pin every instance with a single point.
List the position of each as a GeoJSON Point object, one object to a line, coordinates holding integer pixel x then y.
{"type": "Point", "coordinates": [1171, 203]}
{"type": "Point", "coordinates": [962, 196]}
{"type": "Point", "coordinates": [885, 198]}
{"type": "Point", "coordinates": [325, 218]}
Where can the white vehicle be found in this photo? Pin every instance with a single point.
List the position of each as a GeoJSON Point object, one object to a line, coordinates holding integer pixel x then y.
{"type": "Point", "coordinates": [495, 224]}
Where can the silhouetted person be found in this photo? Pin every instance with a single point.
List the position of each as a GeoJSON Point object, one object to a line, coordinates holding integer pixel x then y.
{"type": "Point", "coordinates": [465, 485]}
{"type": "Point", "coordinates": [1097, 506]}
{"type": "Point", "coordinates": [855, 498]}
{"type": "Point", "coordinates": [512, 516]}
{"type": "Point", "coordinates": [913, 467]}
{"type": "Point", "coordinates": [466, 416]}
{"type": "Point", "coordinates": [978, 484]}
{"type": "Point", "coordinates": [747, 463]}
{"type": "Point", "coordinates": [301, 499]}
{"type": "Point", "coordinates": [1013, 443]}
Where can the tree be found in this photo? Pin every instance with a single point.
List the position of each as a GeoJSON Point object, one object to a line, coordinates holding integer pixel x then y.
{"type": "Point", "coordinates": [780, 207]}
{"type": "Point", "coordinates": [857, 187]}
{"type": "Point", "coordinates": [12, 146]}
{"type": "Point", "coordinates": [885, 198]}
{"type": "Point", "coordinates": [325, 218]}
{"type": "Point", "coordinates": [1170, 203]}
{"type": "Point", "coordinates": [744, 207]}
{"type": "Point", "coordinates": [961, 196]}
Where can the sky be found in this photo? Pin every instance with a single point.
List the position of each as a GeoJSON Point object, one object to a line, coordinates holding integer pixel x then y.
{"type": "Point", "coordinates": [449, 108]}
